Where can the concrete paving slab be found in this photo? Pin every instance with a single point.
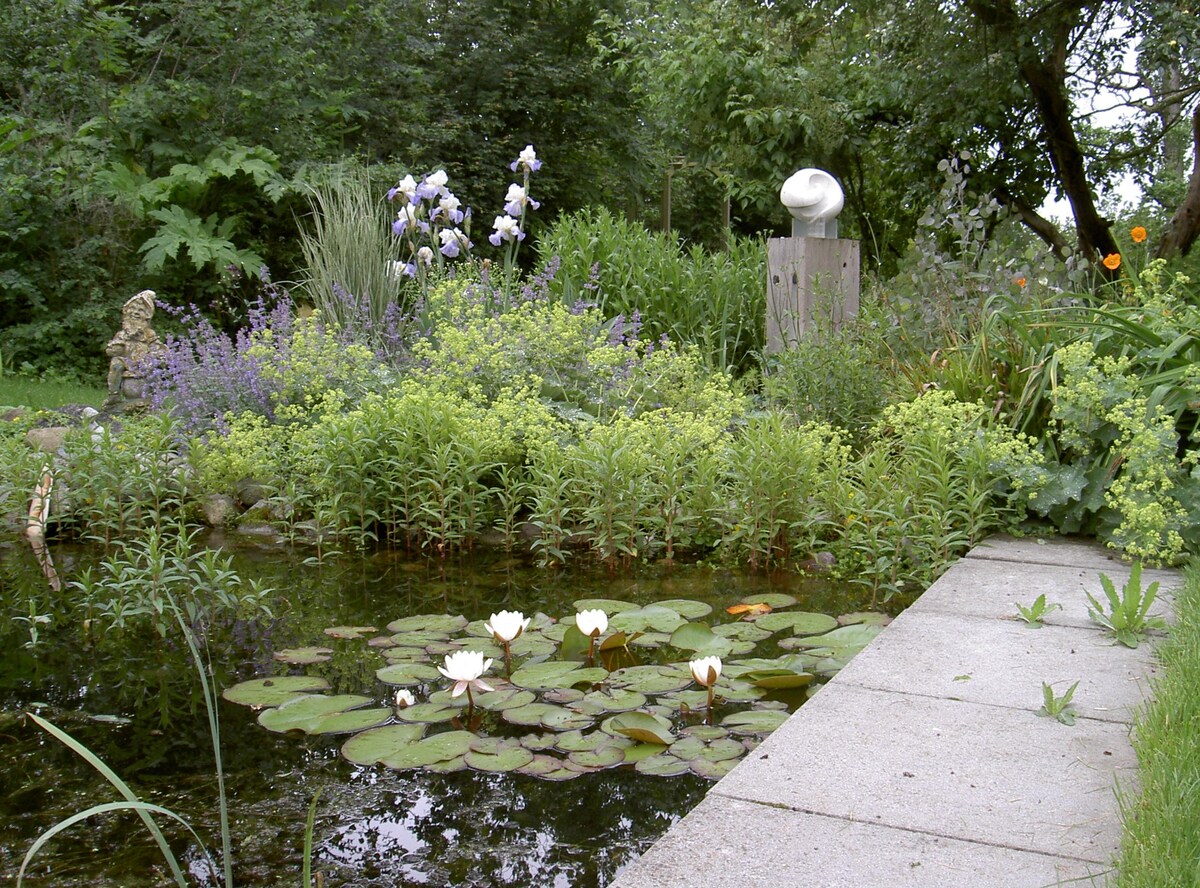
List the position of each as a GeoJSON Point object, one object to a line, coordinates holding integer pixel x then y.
{"type": "Point", "coordinates": [728, 843]}
{"type": "Point", "coordinates": [1004, 664]}
{"type": "Point", "coordinates": [992, 588]}
{"type": "Point", "coordinates": [978, 773]}
{"type": "Point", "coordinates": [1061, 552]}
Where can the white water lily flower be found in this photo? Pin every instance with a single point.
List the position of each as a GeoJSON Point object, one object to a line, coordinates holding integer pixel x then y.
{"type": "Point", "coordinates": [706, 670]}
{"type": "Point", "coordinates": [464, 668]}
{"type": "Point", "coordinates": [404, 698]}
{"type": "Point", "coordinates": [507, 626]}
{"type": "Point", "coordinates": [591, 623]}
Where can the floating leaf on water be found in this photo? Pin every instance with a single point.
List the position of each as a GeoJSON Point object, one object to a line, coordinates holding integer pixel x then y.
{"type": "Point", "coordinates": [436, 748]}
{"type": "Point", "coordinates": [723, 749]}
{"type": "Point", "coordinates": [754, 721]}
{"type": "Point", "coordinates": [870, 618]}
{"type": "Point", "coordinates": [598, 758]}
{"type": "Point", "coordinates": [711, 770]}
{"type": "Point", "coordinates": [273, 691]}
{"type": "Point", "coordinates": [777, 679]}
{"type": "Point", "coordinates": [497, 759]}
{"type": "Point", "coordinates": [651, 618]}
{"type": "Point", "coordinates": [458, 763]}
{"type": "Point", "coordinates": [446, 623]}
{"type": "Point", "coordinates": [430, 712]}
{"type": "Point", "coordinates": [398, 654]}
{"type": "Point", "coordinates": [369, 747]}
{"type": "Point", "coordinates": [662, 766]}
{"type": "Point", "coordinates": [639, 751]}
{"type": "Point", "coordinates": [541, 766]}
{"type": "Point", "coordinates": [556, 674]}
{"type": "Point", "coordinates": [687, 608]}
{"type": "Point", "coordinates": [540, 742]}
{"type": "Point", "coordinates": [609, 605]}
{"type": "Point", "coordinates": [530, 644]}
{"type": "Point", "coordinates": [642, 726]}
{"type": "Point", "coordinates": [407, 674]}
{"type": "Point", "coordinates": [651, 679]}
{"type": "Point", "coordinates": [303, 656]}
{"type": "Point", "coordinates": [704, 732]}
{"type": "Point", "coordinates": [748, 611]}
{"type": "Point", "coordinates": [698, 637]}
{"type": "Point", "coordinates": [348, 631]}
{"type": "Point", "coordinates": [575, 741]}
{"type": "Point", "coordinates": [749, 632]}
{"type": "Point", "coordinates": [561, 773]}
{"type": "Point", "coordinates": [650, 639]}
{"type": "Point", "coordinates": [530, 714]}
{"type": "Point", "coordinates": [845, 640]}
{"type": "Point", "coordinates": [563, 696]}
{"type": "Point", "coordinates": [687, 748]}
{"type": "Point", "coordinates": [508, 698]}
{"type": "Point", "coordinates": [299, 713]}
{"type": "Point", "coordinates": [776, 600]}
{"type": "Point", "coordinates": [421, 638]}
{"type": "Point", "coordinates": [350, 722]}
{"type": "Point", "coordinates": [381, 641]}
{"type": "Point", "coordinates": [563, 719]}
{"type": "Point", "coordinates": [798, 622]}
{"type": "Point", "coordinates": [615, 700]}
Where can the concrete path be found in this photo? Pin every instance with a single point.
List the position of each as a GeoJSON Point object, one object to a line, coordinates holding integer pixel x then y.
{"type": "Point", "coordinates": [924, 762]}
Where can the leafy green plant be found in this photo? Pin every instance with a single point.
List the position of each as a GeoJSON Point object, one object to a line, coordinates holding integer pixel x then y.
{"type": "Point", "coordinates": [1127, 615]}
{"type": "Point", "coordinates": [1033, 614]}
{"type": "Point", "coordinates": [1058, 708]}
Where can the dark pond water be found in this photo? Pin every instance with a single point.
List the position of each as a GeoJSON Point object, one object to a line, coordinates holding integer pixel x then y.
{"type": "Point", "coordinates": [135, 701]}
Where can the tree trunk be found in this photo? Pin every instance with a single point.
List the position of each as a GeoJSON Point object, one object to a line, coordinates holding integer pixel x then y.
{"type": "Point", "coordinates": [1037, 223]}
{"type": "Point", "coordinates": [1184, 226]}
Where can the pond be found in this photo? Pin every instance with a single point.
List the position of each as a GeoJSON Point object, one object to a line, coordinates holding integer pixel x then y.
{"type": "Point", "coordinates": [134, 699]}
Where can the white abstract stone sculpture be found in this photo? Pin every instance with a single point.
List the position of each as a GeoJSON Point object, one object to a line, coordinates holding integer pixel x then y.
{"type": "Point", "coordinates": [814, 198]}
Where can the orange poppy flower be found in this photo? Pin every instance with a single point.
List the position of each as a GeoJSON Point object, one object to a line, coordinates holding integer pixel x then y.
{"type": "Point", "coordinates": [1021, 282]}
{"type": "Point", "coordinates": [1112, 261]}
{"type": "Point", "coordinates": [1138, 233]}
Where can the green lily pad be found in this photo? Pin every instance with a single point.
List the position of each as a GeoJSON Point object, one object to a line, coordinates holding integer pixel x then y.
{"type": "Point", "coordinates": [449, 766]}
{"type": "Point", "coordinates": [540, 742]}
{"type": "Point", "coordinates": [351, 722]}
{"type": "Point", "coordinates": [430, 712]}
{"type": "Point", "coordinates": [704, 732]}
{"type": "Point", "coordinates": [380, 641]}
{"type": "Point", "coordinates": [778, 679]}
{"type": "Point", "coordinates": [401, 654]}
{"type": "Point", "coordinates": [348, 631]}
{"type": "Point", "coordinates": [563, 696]}
{"type": "Point", "coordinates": [776, 600]}
{"type": "Point", "coordinates": [436, 748]}
{"type": "Point", "coordinates": [444, 623]}
{"type": "Point", "coordinates": [304, 656]}
{"type": "Point", "coordinates": [870, 618]}
{"type": "Point", "coordinates": [741, 631]}
{"type": "Point", "coordinates": [541, 766]}
{"type": "Point", "coordinates": [562, 719]}
{"type": "Point", "coordinates": [754, 721]}
{"type": "Point", "coordinates": [687, 748]}
{"type": "Point", "coordinates": [598, 758]}
{"type": "Point", "coordinates": [562, 773]}
{"type": "Point", "coordinates": [687, 608]}
{"type": "Point", "coordinates": [530, 715]}
{"type": "Point", "coordinates": [555, 674]}
{"type": "Point", "coordinates": [650, 639]}
{"type": "Point", "coordinates": [615, 700]}
{"type": "Point", "coordinates": [369, 747]}
{"type": "Point", "coordinates": [507, 698]}
{"type": "Point", "coordinates": [421, 638]}
{"type": "Point", "coordinates": [273, 691]}
{"type": "Point", "coordinates": [662, 766]}
{"type": "Point", "coordinates": [711, 770]}
{"type": "Point", "coordinates": [300, 713]}
{"type": "Point", "coordinates": [577, 741]}
{"type": "Point", "coordinates": [651, 618]}
{"type": "Point", "coordinates": [799, 622]}
{"type": "Point", "coordinates": [846, 640]}
{"type": "Point", "coordinates": [609, 605]}
{"type": "Point", "coordinates": [651, 679]}
{"type": "Point", "coordinates": [698, 637]}
{"type": "Point", "coordinates": [643, 726]}
{"type": "Point", "coordinates": [723, 749]}
{"type": "Point", "coordinates": [639, 751]}
{"type": "Point", "coordinates": [500, 759]}
{"type": "Point", "coordinates": [529, 645]}
{"type": "Point", "coordinates": [407, 673]}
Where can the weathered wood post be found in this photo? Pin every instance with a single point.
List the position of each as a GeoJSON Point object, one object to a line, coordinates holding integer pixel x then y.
{"type": "Point", "coordinates": [813, 274]}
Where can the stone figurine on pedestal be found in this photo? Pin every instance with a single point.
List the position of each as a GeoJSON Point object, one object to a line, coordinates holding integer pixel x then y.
{"type": "Point", "coordinates": [127, 351]}
{"type": "Point", "coordinates": [812, 276]}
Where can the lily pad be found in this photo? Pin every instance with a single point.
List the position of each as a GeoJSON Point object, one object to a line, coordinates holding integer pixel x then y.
{"type": "Point", "coordinates": [704, 732]}
{"type": "Point", "coordinates": [577, 741]}
{"type": "Point", "coordinates": [445, 623]}
{"type": "Point", "coordinates": [563, 695]}
{"type": "Point", "coordinates": [303, 656]}
{"type": "Point", "coordinates": [651, 679]}
{"type": "Point", "coordinates": [639, 751]}
{"type": "Point", "coordinates": [651, 618]}
{"type": "Point", "coordinates": [643, 726]}
{"type": "Point", "coordinates": [846, 640]}
{"type": "Point", "coordinates": [273, 691]}
{"type": "Point", "coordinates": [609, 605]}
{"type": "Point", "coordinates": [687, 748]}
{"type": "Point", "coordinates": [776, 600]}
{"type": "Point", "coordinates": [401, 654]}
{"type": "Point", "coordinates": [500, 759]}
{"type": "Point", "coordinates": [407, 673]}
{"type": "Point", "coordinates": [698, 637]}
{"type": "Point", "coordinates": [778, 679]}
{"type": "Point", "coordinates": [723, 749]}
{"type": "Point", "coordinates": [380, 641]}
{"type": "Point", "coordinates": [799, 622]}
{"type": "Point", "coordinates": [662, 766]}
{"type": "Point", "coordinates": [508, 698]}
{"type": "Point", "coordinates": [754, 721]}
{"type": "Point", "coordinates": [301, 713]}
{"type": "Point", "coordinates": [870, 618]}
{"type": "Point", "coordinates": [687, 608]}
{"type": "Point", "coordinates": [531, 714]}
{"type": "Point", "coordinates": [540, 742]}
{"type": "Point", "coordinates": [430, 712]}
{"type": "Point", "coordinates": [421, 638]}
{"type": "Point", "coordinates": [436, 748]}
{"type": "Point", "coordinates": [369, 747]}
{"type": "Point", "coordinates": [741, 631]}
{"type": "Point", "coordinates": [541, 766]}
{"type": "Point", "coordinates": [650, 639]}
{"type": "Point", "coordinates": [556, 674]}
{"type": "Point", "coordinates": [711, 770]}
{"type": "Point", "coordinates": [449, 766]}
{"type": "Point", "coordinates": [615, 700]}
{"type": "Point", "coordinates": [598, 758]}
{"type": "Point", "coordinates": [348, 631]}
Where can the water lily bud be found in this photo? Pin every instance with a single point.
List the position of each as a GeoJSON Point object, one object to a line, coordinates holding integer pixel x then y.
{"type": "Point", "coordinates": [706, 670]}
{"type": "Point", "coordinates": [592, 623]}
{"type": "Point", "coordinates": [404, 698]}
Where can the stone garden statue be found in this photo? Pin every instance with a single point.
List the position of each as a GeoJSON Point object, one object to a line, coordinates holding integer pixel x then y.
{"type": "Point", "coordinates": [128, 351]}
{"type": "Point", "coordinates": [814, 198]}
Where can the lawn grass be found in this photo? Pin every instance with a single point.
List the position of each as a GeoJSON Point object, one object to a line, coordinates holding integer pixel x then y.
{"type": "Point", "coordinates": [18, 391]}
{"type": "Point", "coordinates": [1161, 843]}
